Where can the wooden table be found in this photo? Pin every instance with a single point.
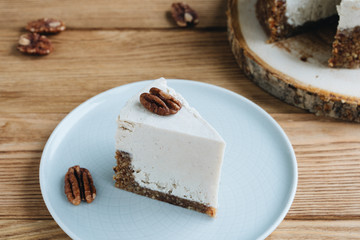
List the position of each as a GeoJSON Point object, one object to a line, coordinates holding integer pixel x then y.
{"type": "Point", "coordinates": [111, 43]}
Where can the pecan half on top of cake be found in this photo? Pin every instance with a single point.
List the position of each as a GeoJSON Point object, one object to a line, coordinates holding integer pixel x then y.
{"type": "Point", "coordinates": [160, 102]}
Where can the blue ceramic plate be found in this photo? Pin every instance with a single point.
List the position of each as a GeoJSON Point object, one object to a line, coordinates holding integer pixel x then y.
{"type": "Point", "coordinates": [258, 181]}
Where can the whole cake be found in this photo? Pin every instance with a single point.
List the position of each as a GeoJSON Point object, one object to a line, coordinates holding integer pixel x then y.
{"type": "Point", "coordinates": [175, 158]}
{"type": "Point", "coordinates": [284, 18]}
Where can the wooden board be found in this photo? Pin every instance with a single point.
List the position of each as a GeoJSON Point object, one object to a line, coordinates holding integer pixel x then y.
{"type": "Point", "coordinates": [294, 70]}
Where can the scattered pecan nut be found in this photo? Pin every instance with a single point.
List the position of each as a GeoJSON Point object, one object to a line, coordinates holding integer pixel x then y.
{"type": "Point", "coordinates": [33, 43]}
{"type": "Point", "coordinates": [184, 15]}
{"type": "Point", "coordinates": [46, 25]}
{"type": "Point", "coordinates": [79, 185]}
{"type": "Point", "coordinates": [160, 102]}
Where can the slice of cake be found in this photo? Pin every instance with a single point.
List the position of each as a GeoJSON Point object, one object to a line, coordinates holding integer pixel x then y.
{"type": "Point", "coordinates": [283, 18]}
{"type": "Point", "coordinates": [175, 158]}
{"type": "Point", "coordinates": [346, 47]}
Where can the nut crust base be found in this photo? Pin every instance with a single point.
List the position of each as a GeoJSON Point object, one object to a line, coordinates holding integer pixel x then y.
{"type": "Point", "coordinates": [272, 17]}
{"type": "Point", "coordinates": [124, 179]}
{"type": "Point", "coordinates": [346, 49]}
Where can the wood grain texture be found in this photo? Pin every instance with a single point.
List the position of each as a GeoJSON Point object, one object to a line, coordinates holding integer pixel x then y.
{"type": "Point", "coordinates": [85, 63]}
{"type": "Point", "coordinates": [288, 229]}
{"type": "Point", "coordinates": [326, 230]}
{"type": "Point", "coordinates": [22, 138]}
{"type": "Point", "coordinates": [107, 14]}
{"type": "Point", "coordinates": [30, 230]}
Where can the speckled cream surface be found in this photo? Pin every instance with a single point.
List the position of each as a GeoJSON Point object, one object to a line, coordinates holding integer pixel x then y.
{"type": "Point", "coordinates": [180, 154]}
{"type": "Point", "coordinates": [349, 13]}
{"type": "Point", "coordinates": [299, 12]}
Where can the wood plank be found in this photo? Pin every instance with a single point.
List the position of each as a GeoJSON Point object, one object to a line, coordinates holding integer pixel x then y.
{"type": "Point", "coordinates": [22, 138]}
{"type": "Point", "coordinates": [32, 230]}
{"type": "Point", "coordinates": [108, 14]}
{"type": "Point", "coordinates": [19, 183]}
{"type": "Point", "coordinates": [30, 128]}
{"type": "Point", "coordinates": [329, 230]}
{"type": "Point", "coordinates": [86, 63]}
{"type": "Point", "coordinates": [288, 229]}
{"type": "Point", "coordinates": [327, 154]}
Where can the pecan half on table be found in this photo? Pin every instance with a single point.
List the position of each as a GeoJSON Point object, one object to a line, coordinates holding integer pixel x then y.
{"type": "Point", "coordinates": [79, 185]}
{"type": "Point", "coordinates": [184, 15]}
{"type": "Point", "coordinates": [160, 102]}
{"type": "Point", "coordinates": [46, 25]}
{"type": "Point", "coordinates": [33, 43]}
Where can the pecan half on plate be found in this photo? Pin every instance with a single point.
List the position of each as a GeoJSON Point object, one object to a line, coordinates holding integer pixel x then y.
{"type": "Point", "coordinates": [79, 185]}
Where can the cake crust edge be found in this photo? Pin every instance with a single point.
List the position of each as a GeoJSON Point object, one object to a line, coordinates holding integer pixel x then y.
{"type": "Point", "coordinates": [271, 15]}
{"type": "Point", "coordinates": [125, 180]}
{"type": "Point", "coordinates": [346, 49]}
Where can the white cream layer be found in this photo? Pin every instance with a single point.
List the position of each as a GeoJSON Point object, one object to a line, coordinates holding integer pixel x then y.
{"type": "Point", "coordinates": [299, 12]}
{"type": "Point", "coordinates": [349, 13]}
{"type": "Point", "coordinates": [179, 154]}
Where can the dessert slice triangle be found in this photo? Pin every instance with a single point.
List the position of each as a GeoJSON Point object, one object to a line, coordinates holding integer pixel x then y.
{"type": "Point", "coordinates": [175, 159]}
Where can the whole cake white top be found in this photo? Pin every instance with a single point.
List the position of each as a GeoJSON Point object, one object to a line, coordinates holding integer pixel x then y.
{"type": "Point", "coordinates": [349, 13]}
{"type": "Point", "coordinates": [299, 12]}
